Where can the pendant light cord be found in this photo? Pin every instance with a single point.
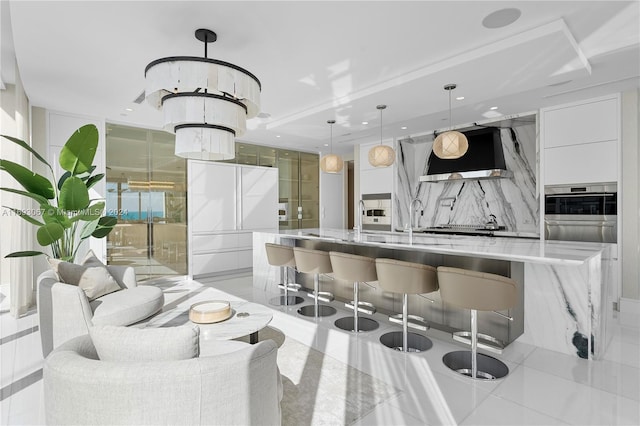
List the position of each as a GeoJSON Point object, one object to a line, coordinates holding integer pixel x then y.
{"type": "Point", "coordinates": [380, 126]}
{"type": "Point", "coordinates": [450, 126]}
{"type": "Point", "coordinates": [331, 123]}
{"type": "Point", "coordinates": [331, 140]}
{"type": "Point", "coordinates": [381, 107]}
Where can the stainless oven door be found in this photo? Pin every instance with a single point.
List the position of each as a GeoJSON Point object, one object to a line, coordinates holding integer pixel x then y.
{"type": "Point", "coordinates": [600, 229]}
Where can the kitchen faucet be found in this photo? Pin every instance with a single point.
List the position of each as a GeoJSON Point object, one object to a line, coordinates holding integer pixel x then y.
{"type": "Point", "coordinates": [361, 208]}
{"type": "Point", "coordinates": [411, 211]}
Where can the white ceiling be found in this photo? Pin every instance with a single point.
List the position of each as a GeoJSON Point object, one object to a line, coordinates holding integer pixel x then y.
{"type": "Point", "coordinates": [333, 60]}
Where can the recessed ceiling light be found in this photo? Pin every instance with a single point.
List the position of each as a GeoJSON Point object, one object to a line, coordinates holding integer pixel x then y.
{"type": "Point", "coordinates": [501, 18]}
{"type": "Point", "coordinates": [493, 108]}
{"type": "Point", "coordinates": [277, 136]}
{"type": "Point", "coordinates": [128, 109]}
{"type": "Point", "coordinates": [404, 127]}
{"type": "Point", "coordinates": [365, 122]}
{"type": "Point", "coordinates": [326, 144]}
{"type": "Point", "coordinates": [459, 98]}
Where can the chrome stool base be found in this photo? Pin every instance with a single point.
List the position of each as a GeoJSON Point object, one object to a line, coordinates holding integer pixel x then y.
{"type": "Point", "coordinates": [415, 342]}
{"type": "Point", "coordinates": [323, 296]}
{"type": "Point", "coordinates": [489, 368]}
{"type": "Point", "coordinates": [322, 311]}
{"type": "Point", "coordinates": [486, 342]}
{"type": "Point", "coordinates": [290, 286]}
{"type": "Point", "coordinates": [364, 324]}
{"type": "Point", "coordinates": [364, 307]}
{"type": "Point", "coordinates": [286, 300]}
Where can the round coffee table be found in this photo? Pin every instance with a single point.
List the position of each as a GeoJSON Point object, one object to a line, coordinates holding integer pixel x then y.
{"type": "Point", "coordinates": [246, 319]}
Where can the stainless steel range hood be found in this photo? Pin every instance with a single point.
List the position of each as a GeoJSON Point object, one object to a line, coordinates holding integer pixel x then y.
{"type": "Point", "coordinates": [484, 159]}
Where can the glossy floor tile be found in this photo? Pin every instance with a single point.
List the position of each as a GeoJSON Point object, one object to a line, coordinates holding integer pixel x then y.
{"type": "Point", "coordinates": [499, 411]}
{"type": "Point", "coordinates": [567, 400]}
{"type": "Point", "coordinates": [543, 387]}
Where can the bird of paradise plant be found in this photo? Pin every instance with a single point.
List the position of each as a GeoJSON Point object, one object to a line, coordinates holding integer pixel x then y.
{"type": "Point", "coordinates": [66, 215]}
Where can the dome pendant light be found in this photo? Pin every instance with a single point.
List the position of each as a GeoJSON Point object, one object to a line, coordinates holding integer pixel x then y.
{"type": "Point", "coordinates": [331, 163]}
{"type": "Point", "coordinates": [381, 155]}
{"type": "Point", "coordinates": [451, 144]}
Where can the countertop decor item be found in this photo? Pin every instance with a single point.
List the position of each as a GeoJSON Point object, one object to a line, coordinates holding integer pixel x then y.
{"type": "Point", "coordinates": [381, 155]}
{"type": "Point", "coordinates": [206, 102]}
{"type": "Point", "coordinates": [210, 311]}
{"type": "Point", "coordinates": [450, 144]}
{"type": "Point", "coordinates": [331, 163]}
{"type": "Point", "coordinates": [66, 216]}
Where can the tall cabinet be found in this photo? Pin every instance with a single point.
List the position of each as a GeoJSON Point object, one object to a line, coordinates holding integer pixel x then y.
{"type": "Point", "coordinates": [299, 182]}
{"type": "Point", "coordinates": [226, 203]}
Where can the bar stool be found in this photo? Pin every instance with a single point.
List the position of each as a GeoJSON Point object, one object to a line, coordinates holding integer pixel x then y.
{"type": "Point", "coordinates": [477, 291]}
{"type": "Point", "coordinates": [351, 267]}
{"type": "Point", "coordinates": [315, 262]}
{"type": "Point", "coordinates": [282, 256]}
{"type": "Point", "coordinates": [407, 278]}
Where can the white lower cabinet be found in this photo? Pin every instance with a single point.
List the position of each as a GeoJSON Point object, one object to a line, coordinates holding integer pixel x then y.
{"type": "Point", "coordinates": [204, 264]}
{"type": "Point", "coordinates": [227, 202]}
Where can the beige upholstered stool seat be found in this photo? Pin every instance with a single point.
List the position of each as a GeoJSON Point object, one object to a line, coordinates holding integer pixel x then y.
{"type": "Point", "coordinates": [315, 262]}
{"type": "Point", "coordinates": [477, 291]}
{"type": "Point", "coordinates": [406, 278]}
{"type": "Point", "coordinates": [282, 256]}
{"type": "Point", "coordinates": [279, 255]}
{"type": "Point", "coordinates": [357, 269]}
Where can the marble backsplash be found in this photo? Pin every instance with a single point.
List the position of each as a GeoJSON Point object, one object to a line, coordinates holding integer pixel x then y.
{"type": "Point", "coordinates": [514, 201]}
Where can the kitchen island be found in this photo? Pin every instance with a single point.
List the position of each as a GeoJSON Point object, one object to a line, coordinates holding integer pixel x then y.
{"type": "Point", "coordinates": [564, 286]}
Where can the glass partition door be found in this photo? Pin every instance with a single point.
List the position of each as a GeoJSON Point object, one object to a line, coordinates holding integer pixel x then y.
{"type": "Point", "coordinates": [146, 189]}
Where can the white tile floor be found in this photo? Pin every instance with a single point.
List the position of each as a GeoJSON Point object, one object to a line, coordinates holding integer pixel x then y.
{"type": "Point", "coordinates": [543, 387]}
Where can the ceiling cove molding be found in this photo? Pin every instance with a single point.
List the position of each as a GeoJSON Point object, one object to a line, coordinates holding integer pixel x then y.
{"type": "Point", "coordinates": [574, 64]}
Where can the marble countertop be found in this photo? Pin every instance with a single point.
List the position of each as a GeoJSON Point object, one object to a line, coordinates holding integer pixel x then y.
{"type": "Point", "coordinates": [490, 247]}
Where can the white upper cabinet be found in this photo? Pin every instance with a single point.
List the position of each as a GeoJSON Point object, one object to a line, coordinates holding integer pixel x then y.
{"type": "Point", "coordinates": [593, 121]}
{"type": "Point", "coordinates": [581, 141]}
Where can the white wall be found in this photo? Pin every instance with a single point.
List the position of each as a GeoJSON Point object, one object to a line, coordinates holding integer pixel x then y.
{"type": "Point", "coordinates": [332, 199]}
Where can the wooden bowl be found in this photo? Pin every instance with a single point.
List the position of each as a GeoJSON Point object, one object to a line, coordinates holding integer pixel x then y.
{"type": "Point", "coordinates": [210, 311]}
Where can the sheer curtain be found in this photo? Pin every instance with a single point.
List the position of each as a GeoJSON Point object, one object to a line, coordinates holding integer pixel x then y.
{"type": "Point", "coordinates": [16, 274]}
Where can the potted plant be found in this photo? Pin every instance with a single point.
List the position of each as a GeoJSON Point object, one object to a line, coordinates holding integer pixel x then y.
{"type": "Point", "coordinates": [66, 215]}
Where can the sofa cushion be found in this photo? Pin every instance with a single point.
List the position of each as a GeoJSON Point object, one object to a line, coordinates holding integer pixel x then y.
{"type": "Point", "coordinates": [92, 276]}
{"type": "Point", "coordinates": [128, 306]}
{"type": "Point", "coordinates": [114, 343]}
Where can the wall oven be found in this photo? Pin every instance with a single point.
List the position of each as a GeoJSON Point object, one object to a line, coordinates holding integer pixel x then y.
{"type": "Point", "coordinates": [581, 212]}
{"type": "Point", "coordinates": [376, 215]}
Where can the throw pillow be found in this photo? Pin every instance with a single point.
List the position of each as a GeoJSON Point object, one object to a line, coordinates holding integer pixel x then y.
{"type": "Point", "coordinates": [92, 276]}
{"type": "Point", "coordinates": [117, 343]}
